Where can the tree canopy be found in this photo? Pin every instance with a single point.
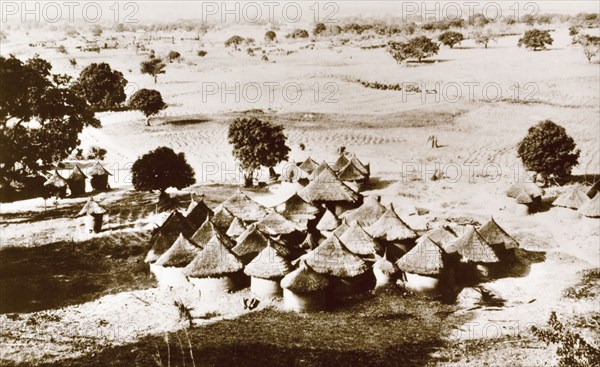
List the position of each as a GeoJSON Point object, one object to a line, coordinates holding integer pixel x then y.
{"type": "Point", "coordinates": [148, 101]}
{"type": "Point", "coordinates": [536, 39]}
{"type": "Point", "coordinates": [153, 67]}
{"type": "Point", "coordinates": [451, 38]}
{"type": "Point", "coordinates": [101, 86]}
{"type": "Point", "coordinates": [160, 169]}
{"type": "Point", "coordinates": [416, 48]}
{"type": "Point", "coordinates": [234, 41]}
{"type": "Point", "coordinates": [270, 36]}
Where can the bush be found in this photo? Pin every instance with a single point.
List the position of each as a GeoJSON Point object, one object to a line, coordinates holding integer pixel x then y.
{"type": "Point", "coordinates": [202, 53]}
{"type": "Point", "coordinates": [173, 56]}
{"type": "Point", "coordinates": [536, 39]}
{"type": "Point", "coordinates": [451, 38]}
{"type": "Point", "coordinates": [298, 33]}
{"type": "Point", "coordinates": [549, 150]}
{"type": "Point", "coordinates": [95, 152]}
{"type": "Point", "coordinates": [590, 45]}
{"type": "Point", "coordinates": [62, 50]}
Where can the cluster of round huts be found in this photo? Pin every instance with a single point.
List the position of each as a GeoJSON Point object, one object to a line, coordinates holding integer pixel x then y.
{"type": "Point", "coordinates": [57, 185]}
{"type": "Point", "coordinates": [324, 242]}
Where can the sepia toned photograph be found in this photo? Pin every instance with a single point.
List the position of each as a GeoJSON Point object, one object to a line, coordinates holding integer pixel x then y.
{"type": "Point", "coordinates": [300, 183]}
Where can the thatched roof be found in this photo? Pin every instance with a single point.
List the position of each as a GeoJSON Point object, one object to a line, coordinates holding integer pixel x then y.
{"type": "Point", "coordinates": [159, 243]}
{"type": "Point", "coordinates": [222, 219]}
{"type": "Point", "coordinates": [441, 235]}
{"type": "Point", "coordinates": [391, 228]}
{"type": "Point", "coordinates": [591, 208]}
{"type": "Point", "coordinates": [493, 234]}
{"type": "Point", "coordinates": [175, 224]}
{"type": "Point", "coordinates": [367, 213]}
{"type": "Point", "coordinates": [236, 228]}
{"type": "Point", "coordinates": [317, 171]}
{"type": "Point", "coordinates": [333, 258]}
{"type": "Point", "coordinates": [275, 223]}
{"type": "Point", "coordinates": [268, 264]}
{"type": "Point", "coordinates": [91, 207]}
{"type": "Point", "coordinates": [364, 168]}
{"type": "Point", "coordinates": [207, 231]}
{"type": "Point", "coordinates": [341, 229]}
{"type": "Point", "coordinates": [351, 173]}
{"type": "Point", "coordinates": [473, 248]}
{"type": "Point", "coordinates": [359, 242]}
{"type": "Point", "coordinates": [253, 241]}
{"type": "Point", "coordinates": [328, 222]}
{"type": "Point", "coordinates": [98, 170]}
{"type": "Point", "coordinates": [296, 206]}
{"type": "Point", "coordinates": [77, 174]}
{"type": "Point", "coordinates": [180, 254]}
{"type": "Point", "coordinates": [326, 187]}
{"type": "Point", "coordinates": [213, 261]}
{"type": "Point", "coordinates": [573, 198]}
{"type": "Point", "coordinates": [384, 265]}
{"type": "Point", "coordinates": [524, 198]}
{"type": "Point", "coordinates": [426, 258]}
{"type": "Point", "coordinates": [529, 188]}
{"type": "Point", "coordinates": [248, 210]}
{"type": "Point", "coordinates": [56, 180]}
{"type": "Point", "coordinates": [304, 280]}
{"type": "Point", "coordinates": [340, 163]}
{"type": "Point", "coordinates": [198, 212]}
{"type": "Point", "coordinates": [309, 165]}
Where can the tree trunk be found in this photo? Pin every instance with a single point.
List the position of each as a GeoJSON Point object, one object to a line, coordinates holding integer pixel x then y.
{"type": "Point", "coordinates": [155, 78]}
{"type": "Point", "coordinates": [248, 179]}
{"type": "Point", "coordinates": [147, 120]}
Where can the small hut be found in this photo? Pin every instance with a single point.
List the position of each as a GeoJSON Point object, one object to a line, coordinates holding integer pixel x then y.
{"type": "Point", "coordinates": [326, 189]}
{"type": "Point", "coordinates": [94, 216]}
{"type": "Point", "coordinates": [236, 228]}
{"type": "Point", "coordinates": [243, 207]}
{"type": "Point", "coordinates": [309, 165]}
{"type": "Point", "coordinates": [276, 224]}
{"type": "Point", "coordinates": [207, 231]}
{"type": "Point", "coordinates": [367, 214]}
{"type": "Point", "coordinates": [350, 173]}
{"type": "Point", "coordinates": [222, 219]}
{"type": "Point", "coordinates": [266, 271]}
{"type": "Point", "coordinates": [502, 243]}
{"type": "Point", "coordinates": [365, 169]}
{"type": "Point", "coordinates": [328, 223]}
{"type": "Point", "coordinates": [168, 269]}
{"type": "Point", "coordinates": [573, 198]}
{"type": "Point", "coordinates": [252, 242]}
{"type": "Point", "coordinates": [215, 270]}
{"type": "Point", "coordinates": [474, 249]}
{"type": "Point", "coordinates": [56, 185]}
{"type": "Point", "coordinates": [359, 242]}
{"type": "Point", "coordinates": [340, 163]}
{"type": "Point", "coordinates": [341, 229]}
{"type": "Point", "coordinates": [297, 209]}
{"type": "Point", "coordinates": [304, 289]}
{"type": "Point", "coordinates": [591, 209]}
{"type": "Point", "coordinates": [385, 272]}
{"type": "Point", "coordinates": [76, 181]}
{"type": "Point", "coordinates": [198, 212]}
{"type": "Point", "coordinates": [99, 176]}
{"type": "Point", "coordinates": [443, 235]}
{"type": "Point", "coordinates": [425, 267]}
{"type": "Point", "coordinates": [175, 224]}
{"type": "Point", "coordinates": [392, 229]}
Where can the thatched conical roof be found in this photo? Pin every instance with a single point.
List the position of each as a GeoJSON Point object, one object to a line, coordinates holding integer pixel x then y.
{"type": "Point", "coordinates": [341, 229]}
{"type": "Point", "coordinates": [426, 258]}
{"type": "Point", "coordinates": [333, 258]}
{"type": "Point", "coordinates": [529, 188]}
{"type": "Point", "coordinates": [309, 165]}
{"type": "Point", "coordinates": [180, 254]}
{"type": "Point", "coordinates": [236, 228]}
{"type": "Point", "coordinates": [77, 175]}
{"type": "Point", "coordinates": [364, 168]}
{"type": "Point", "coordinates": [591, 208]}
{"type": "Point", "coordinates": [253, 241]}
{"type": "Point", "coordinates": [213, 261]}
{"type": "Point", "coordinates": [384, 265]}
{"type": "Point", "coordinates": [175, 224]}
{"type": "Point", "coordinates": [207, 231]}
{"type": "Point", "coordinates": [391, 228]}
{"type": "Point", "coordinates": [296, 206]}
{"type": "Point", "coordinates": [351, 173]}
{"type": "Point", "coordinates": [473, 248]}
{"type": "Point", "coordinates": [91, 207]}
{"type": "Point", "coordinates": [359, 242]}
{"type": "Point", "coordinates": [56, 180]}
{"type": "Point", "coordinates": [304, 280]}
{"type": "Point", "coordinates": [222, 219]}
{"type": "Point", "coordinates": [524, 198]}
{"type": "Point", "coordinates": [198, 212]}
{"type": "Point", "coordinates": [275, 223]}
{"type": "Point", "coordinates": [248, 210]}
{"type": "Point", "coordinates": [317, 171]}
{"type": "Point", "coordinates": [368, 213]}
{"type": "Point", "coordinates": [326, 187]}
{"type": "Point", "coordinates": [268, 264]}
{"type": "Point", "coordinates": [328, 221]}
{"type": "Point", "coordinates": [98, 170]}
{"type": "Point", "coordinates": [340, 163]}
{"type": "Point", "coordinates": [493, 234]}
{"type": "Point", "coordinates": [441, 235]}
{"type": "Point", "coordinates": [573, 198]}
{"type": "Point", "coordinates": [159, 243]}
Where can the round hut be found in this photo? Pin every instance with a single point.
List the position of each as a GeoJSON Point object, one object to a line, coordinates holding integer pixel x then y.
{"type": "Point", "coordinates": [198, 212]}
{"type": "Point", "coordinates": [76, 181]}
{"type": "Point", "coordinates": [266, 271]}
{"type": "Point", "coordinates": [326, 189]}
{"type": "Point", "coordinates": [253, 241]}
{"type": "Point", "coordinates": [304, 289]}
{"type": "Point", "coordinates": [279, 226]}
{"type": "Point", "coordinates": [243, 207]}
{"type": "Point", "coordinates": [385, 272]}
{"type": "Point", "coordinates": [94, 216]}
{"type": "Point", "coordinates": [168, 269]}
{"type": "Point", "coordinates": [443, 235]}
{"type": "Point", "coordinates": [350, 174]}
{"type": "Point", "coordinates": [164, 236]}
{"type": "Point", "coordinates": [475, 251]}
{"type": "Point", "coordinates": [308, 166]}
{"type": "Point", "coordinates": [236, 228]}
{"type": "Point", "coordinates": [366, 214]}
{"type": "Point", "coordinates": [56, 185]}
{"type": "Point", "coordinates": [360, 243]}
{"type": "Point", "coordinates": [328, 223]}
{"type": "Point", "coordinates": [215, 270]}
{"type": "Point", "coordinates": [502, 243]}
{"type": "Point", "coordinates": [425, 267]}
{"type": "Point", "coordinates": [99, 177]}
{"type": "Point", "coordinates": [222, 219]}
{"type": "Point", "coordinates": [298, 210]}
{"type": "Point", "coordinates": [391, 229]}
{"type": "Point", "coordinates": [573, 198]}
{"type": "Point", "coordinates": [591, 209]}
{"type": "Point", "coordinates": [206, 232]}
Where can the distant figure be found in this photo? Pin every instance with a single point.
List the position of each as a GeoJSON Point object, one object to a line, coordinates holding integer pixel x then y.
{"type": "Point", "coordinates": [434, 141]}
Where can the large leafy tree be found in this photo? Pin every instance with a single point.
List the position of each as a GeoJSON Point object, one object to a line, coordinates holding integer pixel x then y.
{"type": "Point", "coordinates": [451, 38]}
{"type": "Point", "coordinates": [536, 39]}
{"type": "Point", "coordinates": [101, 86]}
{"type": "Point", "coordinates": [270, 36]}
{"type": "Point", "coordinates": [257, 143]}
{"type": "Point", "coordinates": [160, 169]}
{"type": "Point", "coordinates": [153, 67]}
{"type": "Point", "coordinates": [148, 101]}
{"type": "Point", "coordinates": [41, 115]}
{"type": "Point", "coordinates": [548, 150]}
{"type": "Point", "coordinates": [416, 48]}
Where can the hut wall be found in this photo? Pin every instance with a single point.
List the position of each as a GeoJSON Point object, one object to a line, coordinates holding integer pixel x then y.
{"type": "Point", "coordinates": [93, 223]}
{"type": "Point", "coordinates": [169, 277]}
{"type": "Point", "coordinates": [381, 279]}
{"type": "Point", "coordinates": [308, 302]}
{"type": "Point", "coordinates": [211, 288]}
{"type": "Point", "coordinates": [265, 288]}
{"type": "Point", "coordinates": [99, 183]}
{"type": "Point", "coordinates": [422, 284]}
{"type": "Point", "coordinates": [340, 287]}
{"type": "Point", "coordinates": [77, 187]}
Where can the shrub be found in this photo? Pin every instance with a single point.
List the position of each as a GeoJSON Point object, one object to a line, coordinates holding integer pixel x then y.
{"type": "Point", "coordinates": [536, 39]}
{"type": "Point", "coordinates": [298, 33]}
{"type": "Point", "coordinates": [484, 39]}
{"type": "Point", "coordinates": [202, 53]}
{"type": "Point", "coordinates": [451, 38]}
{"type": "Point", "coordinates": [590, 45]}
{"type": "Point", "coordinates": [270, 36]}
{"type": "Point", "coordinates": [173, 56]}
{"type": "Point", "coordinates": [62, 50]}
{"type": "Point", "coordinates": [95, 152]}
{"type": "Point", "coordinates": [548, 150]}
{"type": "Point", "coordinates": [234, 41]}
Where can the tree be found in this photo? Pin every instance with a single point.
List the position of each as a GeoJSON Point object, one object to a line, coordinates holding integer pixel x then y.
{"type": "Point", "coordinates": [31, 93]}
{"type": "Point", "coordinates": [234, 41]}
{"type": "Point", "coordinates": [590, 45]}
{"type": "Point", "coordinates": [153, 67]}
{"type": "Point", "coordinates": [270, 37]}
{"type": "Point", "coordinates": [202, 53]}
{"type": "Point", "coordinates": [298, 33]}
{"type": "Point", "coordinates": [160, 169]}
{"type": "Point", "coordinates": [548, 150]}
{"type": "Point", "coordinates": [573, 31]}
{"type": "Point", "coordinates": [62, 50]}
{"type": "Point", "coordinates": [417, 48]}
{"type": "Point", "coordinates": [148, 101]}
{"type": "Point", "coordinates": [73, 62]}
{"type": "Point", "coordinates": [173, 55]}
{"type": "Point", "coordinates": [319, 28]}
{"type": "Point", "coordinates": [101, 86]}
{"type": "Point", "coordinates": [257, 143]}
{"type": "Point", "coordinates": [536, 39]}
{"type": "Point", "coordinates": [484, 38]}
{"type": "Point", "coordinates": [96, 30]}
{"type": "Point", "coordinates": [451, 38]}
